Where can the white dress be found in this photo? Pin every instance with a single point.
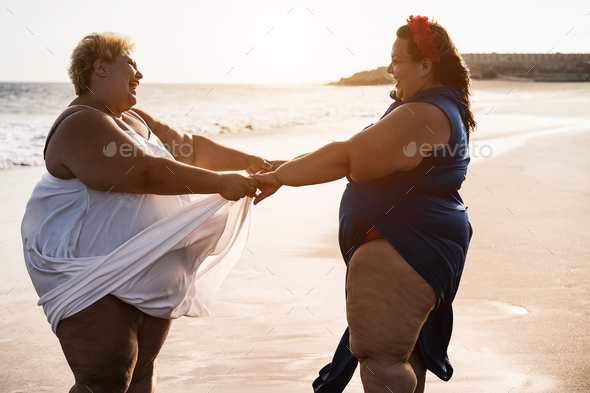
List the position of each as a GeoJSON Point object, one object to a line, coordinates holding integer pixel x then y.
{"type": "Point", "coordinates": [164, 254]}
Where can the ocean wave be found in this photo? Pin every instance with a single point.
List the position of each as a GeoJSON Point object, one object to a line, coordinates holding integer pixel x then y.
{"type": "Point", "coordinates": [27, 110]}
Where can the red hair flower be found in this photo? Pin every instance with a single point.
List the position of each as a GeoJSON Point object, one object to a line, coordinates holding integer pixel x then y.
{"type": "Point", "coordinates": [423, 36]}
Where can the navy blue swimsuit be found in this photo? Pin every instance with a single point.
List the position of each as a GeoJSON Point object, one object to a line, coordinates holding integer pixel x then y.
{"type": "Point", "coordinates": [421, 214]}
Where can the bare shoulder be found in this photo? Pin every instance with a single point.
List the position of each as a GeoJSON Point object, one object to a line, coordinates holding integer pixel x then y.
{"type": "Point", "coordinates": [71, 127]}
{"type": "Point", "coordinates": [82, 124]}
{"type": "Point", "coordinates": [166, 133]}
{"type": "Point", "coordinates": [160, 128]}
{"type": "Point", "coordinates": [429, 113]}
{"type": "Point", "coordinates": [144, 116]}
{"type": "Point", "coordinates": [410, 117]}
{"type": "Point", "coordinates": [82, 138]}
{"type": "Point", "coordinates": [154, 124]}
{"type": "Point", "coordinates": [427, 117]}
{"type": "Point", "coordinates": [380, 149]}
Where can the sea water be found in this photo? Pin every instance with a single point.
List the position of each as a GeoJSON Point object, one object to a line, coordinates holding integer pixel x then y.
{"type": "Point", "coordinates": [27, 110]}
{"type": "Point", "coordinates": [511, 110]}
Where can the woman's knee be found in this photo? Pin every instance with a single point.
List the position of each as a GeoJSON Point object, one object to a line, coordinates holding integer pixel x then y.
{"type": "Point", "coordinates": [364, 347]}
{"type": "Point", "coordinates": [102, 370]}
{"type": "Point", "coordinates": [114, 379]}
{"type": "Point", "coordinates": [398, 377]}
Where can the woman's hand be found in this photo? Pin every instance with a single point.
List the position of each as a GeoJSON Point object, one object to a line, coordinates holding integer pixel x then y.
{"type": "Point", "coordinates": [235, 186]}
{"type": "Point", "coordinates": [268, 184]}
{"type": "Point", "coordinates": [256, 164]}
{"type": "Point", "coordinates": [276, 164]}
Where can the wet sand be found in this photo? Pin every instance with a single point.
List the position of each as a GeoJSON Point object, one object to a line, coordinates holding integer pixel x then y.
{"type": "Point", "coordinates": [521, 313]}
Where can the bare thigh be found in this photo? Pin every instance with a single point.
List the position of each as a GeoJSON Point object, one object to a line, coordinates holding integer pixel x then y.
{"type": "Point", "coordinates": [150, 338]}
{"type": "Point", "coordinates": [387, 303]}
{"type": "Point", "coordinates": [104, 344]}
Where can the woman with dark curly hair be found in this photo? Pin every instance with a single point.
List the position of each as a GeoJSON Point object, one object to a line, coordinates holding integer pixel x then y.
{"type": "Point", "coordinates": [404, 230]}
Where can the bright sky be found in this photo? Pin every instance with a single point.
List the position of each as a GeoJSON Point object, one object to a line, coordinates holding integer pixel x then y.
{"type": "Point", "coordinates": [293, 41]}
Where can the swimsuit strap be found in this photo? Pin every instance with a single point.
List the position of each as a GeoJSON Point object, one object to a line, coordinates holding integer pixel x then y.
{"type": "Point", "coordinates": [52, 131]}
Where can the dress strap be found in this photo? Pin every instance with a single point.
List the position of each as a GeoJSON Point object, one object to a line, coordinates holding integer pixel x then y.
{"type": "Point", "coordinates": [85, 106]}
{"type": "Point", "coordinates": [142, 122]}
{"type": "Point", "coordinates": [52, 131]}
{"type": "Point", "coordinates": [391, 107]}
{"type": "Point", "coordinates": [135, 117]}
{"type": "Point", "coordinates": [128, 113]}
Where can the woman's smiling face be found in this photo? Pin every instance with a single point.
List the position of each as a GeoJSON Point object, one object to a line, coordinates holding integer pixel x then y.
{"type": "Point", "coordinates": [124, 79]}
{"type": "Point", "coordinates": [405, 71]}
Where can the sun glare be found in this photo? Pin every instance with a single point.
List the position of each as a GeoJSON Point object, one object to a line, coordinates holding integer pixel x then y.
{"type": "Point", "coordinates": [283, 38]}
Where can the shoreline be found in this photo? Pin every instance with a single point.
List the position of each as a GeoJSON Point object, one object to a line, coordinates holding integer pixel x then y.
{"type": "Point", "coordinates": [533, 106]}
{"type": "Point", "coordinates": [494, 142]}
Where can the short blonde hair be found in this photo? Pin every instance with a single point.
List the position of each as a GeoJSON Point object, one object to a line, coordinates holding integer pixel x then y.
{"type": "Point", "coordinates": [105, 46]}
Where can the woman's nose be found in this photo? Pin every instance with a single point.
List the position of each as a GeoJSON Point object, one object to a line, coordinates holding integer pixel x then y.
{"type": "Point", "coordinates": [390, 68]}
{"type": "Point", "coordinates": [139, 75]}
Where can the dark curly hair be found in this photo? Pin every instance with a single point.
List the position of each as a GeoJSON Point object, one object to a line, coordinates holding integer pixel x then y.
{"type": "Point", "coordinates": [450, 71]}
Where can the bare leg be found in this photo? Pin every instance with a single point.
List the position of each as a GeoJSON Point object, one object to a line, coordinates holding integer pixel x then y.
{"type": "Point", "coordinates": [101, 345]}
{"type": "Point", "coordinates": [151, 337]}
{"type": "Point", "coordinates": [419, 366]}
{"type": "Point", "coordinates": [387, 304]}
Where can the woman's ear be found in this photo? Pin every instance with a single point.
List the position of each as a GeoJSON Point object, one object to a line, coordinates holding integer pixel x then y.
{"type": "Point", "coordinates": [425, 66]}
{"type": "Point", "coordinates": [100, 68]}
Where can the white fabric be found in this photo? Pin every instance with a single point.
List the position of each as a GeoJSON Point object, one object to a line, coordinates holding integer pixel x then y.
{"type": "Point", "coordinates": [164, 254]}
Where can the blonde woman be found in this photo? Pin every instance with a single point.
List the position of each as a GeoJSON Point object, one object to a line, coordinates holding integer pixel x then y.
{"type": "Point", "coordinates": [113, 244]}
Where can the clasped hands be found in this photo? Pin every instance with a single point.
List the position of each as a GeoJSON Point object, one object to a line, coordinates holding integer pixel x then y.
{"type": "Point", "coordinates": [262, 177]}
{"type": "Point", "coordinates": [266, 179]}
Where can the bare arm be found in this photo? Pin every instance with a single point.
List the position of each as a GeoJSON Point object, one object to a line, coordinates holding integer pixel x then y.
{"type": "Point", "coordinates": [83, 137]}
{"type": "Point", "coordinates": [276, 164]}
{"type": "Point", "coordinates": [370, 154]}
{"type": "Point", "coordinates": [200, 151]}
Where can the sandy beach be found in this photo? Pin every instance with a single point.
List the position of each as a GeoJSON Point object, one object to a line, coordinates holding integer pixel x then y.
{"type": "Point", "coordinates": [521, 313]}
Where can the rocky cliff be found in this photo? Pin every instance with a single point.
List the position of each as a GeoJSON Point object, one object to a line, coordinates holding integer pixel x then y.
{"type": "Point", "coordinates": [377, 76]}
